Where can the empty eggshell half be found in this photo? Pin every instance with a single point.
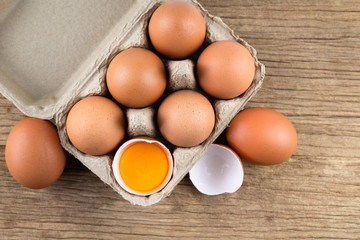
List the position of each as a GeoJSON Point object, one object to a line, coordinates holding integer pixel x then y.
{"type": "Point", "coordinates": [218, 171]}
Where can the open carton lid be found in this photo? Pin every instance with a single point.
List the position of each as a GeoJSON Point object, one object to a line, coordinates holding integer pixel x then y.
{"type": "Point", "coordinates": [49, 48]}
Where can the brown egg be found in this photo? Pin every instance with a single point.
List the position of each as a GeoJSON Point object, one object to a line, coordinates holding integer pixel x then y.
{"type": "Point", "coordinates": [186, 118]}
{"type": "Point", "coordinates": [136, 78]}
{"type": "Point", "coordinates": [95, 125]}
{"type": "Point", "coordinates": [177, 29]}
{"type": "Point", "coordinates": [262, 136]}
{"type": "Point", "coordinates": [225, 69]}
{"type": "Point", "coordinates": [33, 153]}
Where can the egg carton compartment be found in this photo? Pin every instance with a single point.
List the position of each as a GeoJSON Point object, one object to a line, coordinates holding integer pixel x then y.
{"type": "Point", "coordinates": [142, 122]}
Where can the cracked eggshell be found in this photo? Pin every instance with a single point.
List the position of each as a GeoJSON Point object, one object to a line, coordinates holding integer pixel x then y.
{"type": "Point", "coordinates": [124, 147]}
{"type": "Point", "coordinates": [218, 171]}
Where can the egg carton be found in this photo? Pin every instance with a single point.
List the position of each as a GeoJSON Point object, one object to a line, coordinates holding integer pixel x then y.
{"type": "Point", "coordinates": [48, 99]}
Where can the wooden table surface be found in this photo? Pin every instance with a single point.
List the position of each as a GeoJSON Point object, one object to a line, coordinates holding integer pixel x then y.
{"type": "Point", "coordinates": [311, 50]}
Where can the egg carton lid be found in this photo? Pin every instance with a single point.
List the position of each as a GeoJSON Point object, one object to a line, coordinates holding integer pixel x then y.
{"type": "Point", "coordinates": [49, 48]}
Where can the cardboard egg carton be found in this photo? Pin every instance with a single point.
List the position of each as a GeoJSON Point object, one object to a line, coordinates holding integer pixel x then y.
{"type": "Point", "coordinates": [43, 81]}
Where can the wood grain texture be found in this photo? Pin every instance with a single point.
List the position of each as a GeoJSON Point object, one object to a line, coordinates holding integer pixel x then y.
{"type": "Point", "coordinates": [311, 50]}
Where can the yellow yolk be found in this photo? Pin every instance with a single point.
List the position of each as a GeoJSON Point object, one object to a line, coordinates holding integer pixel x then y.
{"type": "Point", "coordinates": [143, 166]}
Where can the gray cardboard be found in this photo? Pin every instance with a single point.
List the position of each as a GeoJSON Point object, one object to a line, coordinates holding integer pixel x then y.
{"type": "Point", "coordinates": [46, 46]}
{"type": "Point", "coordinates": [65, 59]}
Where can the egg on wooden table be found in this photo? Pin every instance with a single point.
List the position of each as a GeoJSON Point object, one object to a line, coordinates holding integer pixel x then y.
{"type": "Point", "coordinates": [33, 153]}
{"type": "Point", "coordinates": [262, 136]}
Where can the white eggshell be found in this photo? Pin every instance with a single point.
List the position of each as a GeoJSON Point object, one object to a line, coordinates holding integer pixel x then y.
{"type": "Point", "coordinates": [218, 171]}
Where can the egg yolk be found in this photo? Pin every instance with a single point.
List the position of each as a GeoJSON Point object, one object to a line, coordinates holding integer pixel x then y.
{"type": "Point", "coordinates": [143, 166]}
